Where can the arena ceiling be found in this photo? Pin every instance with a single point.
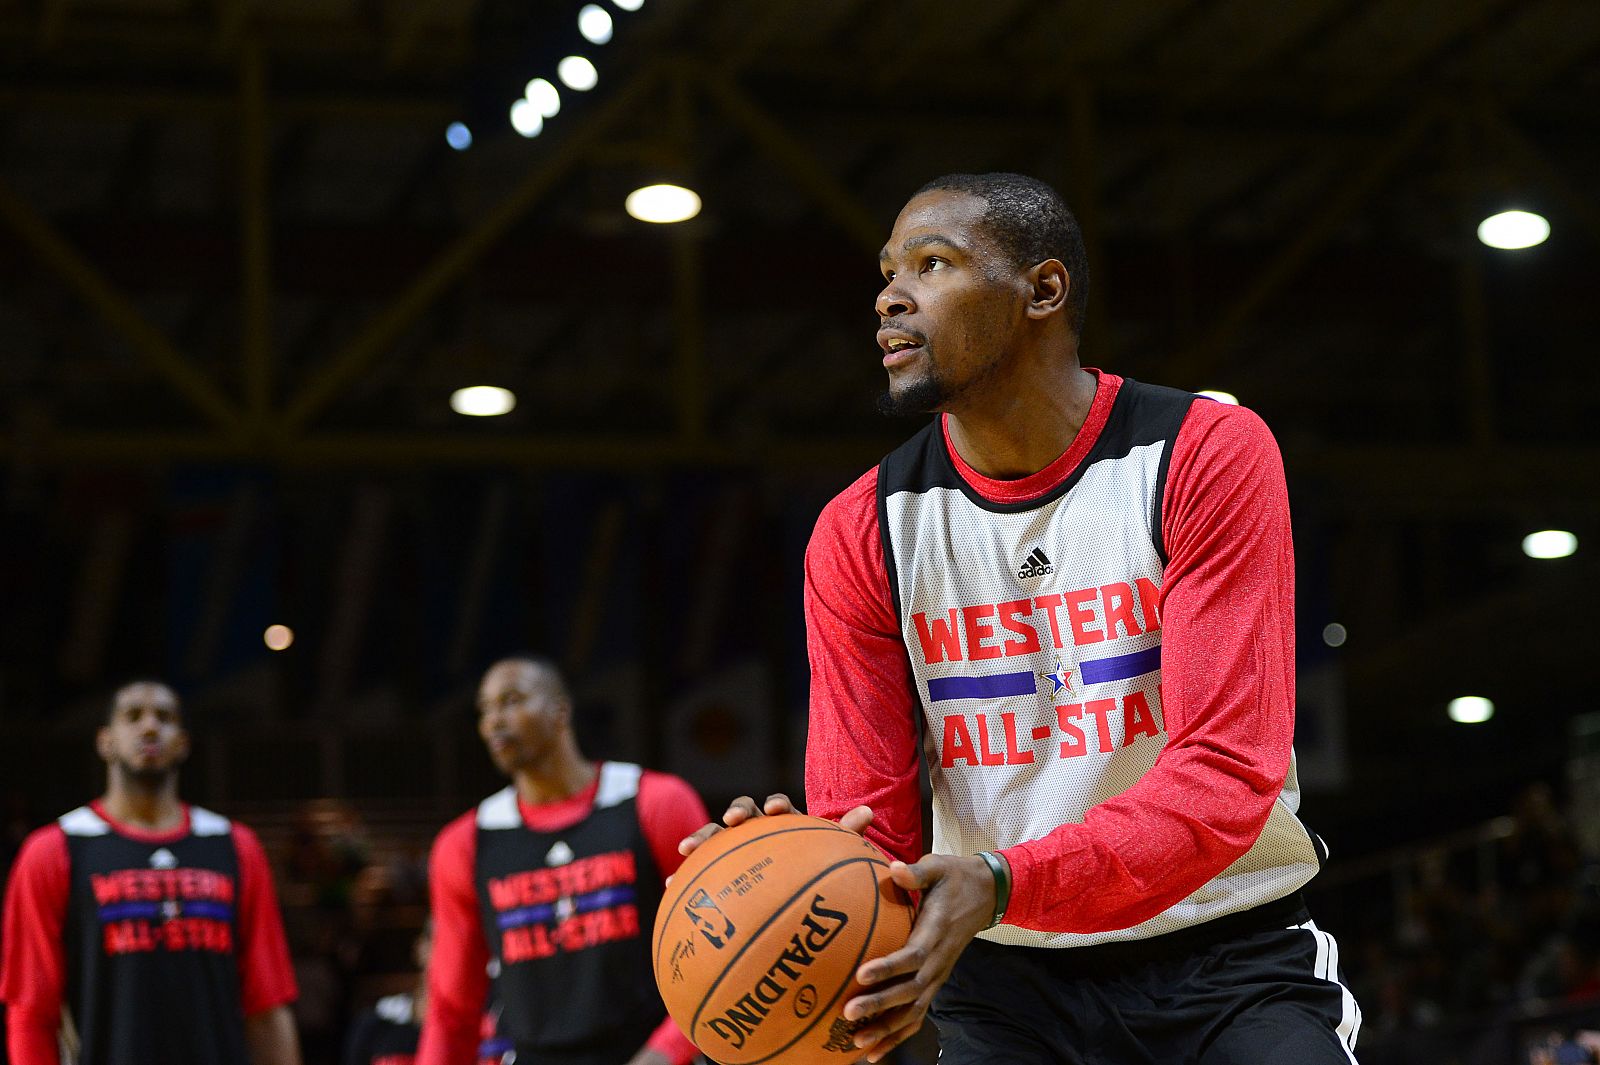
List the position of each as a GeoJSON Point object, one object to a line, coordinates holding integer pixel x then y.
{"type": "Point", "coordinates": [233, 231]}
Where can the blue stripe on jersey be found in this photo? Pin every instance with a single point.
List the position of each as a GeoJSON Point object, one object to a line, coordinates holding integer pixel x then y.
{"type": "Point", "coordinates": [996, 686]}
{"type": "Point", "coordinates": [1122, 667]}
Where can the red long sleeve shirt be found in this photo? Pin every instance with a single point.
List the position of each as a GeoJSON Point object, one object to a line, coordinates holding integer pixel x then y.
{"type": "Point", "coordinates": [458, 982]}
{"type": "Point", "coordinates": [1227, 617]}
{"type": "Point", "coordinates": [34, 975]}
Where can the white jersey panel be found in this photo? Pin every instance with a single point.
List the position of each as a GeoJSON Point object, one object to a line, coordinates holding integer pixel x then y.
{"type": "Point", "coordinates": [1035, 650]}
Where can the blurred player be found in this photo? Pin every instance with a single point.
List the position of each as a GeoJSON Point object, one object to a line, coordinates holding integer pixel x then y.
{"type": "Point", "coordinates": [154, 922]}
{"type": "Point", "coordinates": [1076, 592]}
{"type": "Point", "coordinates": [553, 883]}
{"type": "Point", "coordinates": [388, 1033]}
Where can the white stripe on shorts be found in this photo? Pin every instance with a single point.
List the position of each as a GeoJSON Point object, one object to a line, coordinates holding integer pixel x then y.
{"type": "Point", "coordinates": [1327, 968]}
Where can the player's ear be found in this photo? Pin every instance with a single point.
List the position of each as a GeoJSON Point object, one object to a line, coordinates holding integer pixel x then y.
{"type": "Point", "coordinates": [1050, 284]}
{"type": "Point", "coordinates": [102, 743]}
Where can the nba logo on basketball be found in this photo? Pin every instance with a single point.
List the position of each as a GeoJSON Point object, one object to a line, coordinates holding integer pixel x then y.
{"type": "Point", "coordinates": [700, 910]}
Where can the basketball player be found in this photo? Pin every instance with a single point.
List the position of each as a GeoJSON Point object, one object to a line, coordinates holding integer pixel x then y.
{"type": "Point", "coordinates": [553, 884]}
{"type": "Point", "coordinates": [388, 1033]}
{"type": "Point", "coordinates": [1078, 589]}
{"type": "Point", "coordinates": [154, 922]}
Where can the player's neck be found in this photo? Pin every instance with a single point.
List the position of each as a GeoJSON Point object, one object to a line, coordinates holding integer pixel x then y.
{"type": "Point", "coordinates": [567, 774]}
{"type": "Point", "coordinates": [1018, 427]}
{"type": "Point", "coordinates": [152, 807]}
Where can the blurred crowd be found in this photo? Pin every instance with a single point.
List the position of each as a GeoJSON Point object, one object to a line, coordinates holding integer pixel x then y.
{"type": "Point", "coordinates": [1487, 954]}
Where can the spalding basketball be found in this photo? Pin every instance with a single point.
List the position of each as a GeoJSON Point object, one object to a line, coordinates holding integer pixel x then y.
{"type": "Point", "coordinates": [761, 932]}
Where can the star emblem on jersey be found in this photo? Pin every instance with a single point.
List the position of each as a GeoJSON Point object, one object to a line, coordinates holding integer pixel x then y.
{"type": "Point", "coordinates": [163, 859]}
{"type": "Point", "coordinates": [1037, 564]}
{"type": "Point", "coordinates": [559, 854]}
{"type": "Point", "coordinates": [1062, 678]}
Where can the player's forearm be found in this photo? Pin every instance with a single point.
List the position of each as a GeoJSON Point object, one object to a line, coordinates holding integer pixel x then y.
{"type": "Point", "coordinates": [31, 1040]}
{"type": "Point", "coordinates": [1138, 855]}
{"type": "Point", "coordinates": [669, 1045]}
{"type": "Point", "coordinates": [272, 1037]}
{"type": "Point", "coordinates": [448, 1039]}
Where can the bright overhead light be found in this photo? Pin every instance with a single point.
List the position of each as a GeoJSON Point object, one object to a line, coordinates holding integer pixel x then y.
{"type": "Point", "coordinates": [1471, 710]}
{"type": "Point", "coordinates": [594, 22]}
{"type": "Point", "coordinates": [1334, 634]}
{"type": "Point", "coordinates": [483, 401]}
{"type": "Point", "coordinates": [544, 96]}
{"type": "Point", "coordinates": [526, 119]}
{"type": "Point", "coordinates": [458, 136]}
{"type": "Point", "coordinates": [1511, 230]}
{"type": "Point", "coordinates": [1221, 397]}
{"type": "Point", "coordinates": [663, 203]}
{"type": "Point", "coordinates": [629, 5]}
{"type": "Point", "coordinates": [1549, 543]}
{"type": "Point", "coordinates": [577, 73]}
{"type": "Point", "coordinates": [278, 637]}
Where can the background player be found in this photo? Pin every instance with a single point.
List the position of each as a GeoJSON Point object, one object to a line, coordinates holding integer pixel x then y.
{"type": "Point", "coordinates": [388, 1033]}
{"type": "Point", "coordinates": [1083, 586]}
{"type": "Point", "coordinates": [555, 880]}
{"type": "Point", "coordinates": [159, 917]}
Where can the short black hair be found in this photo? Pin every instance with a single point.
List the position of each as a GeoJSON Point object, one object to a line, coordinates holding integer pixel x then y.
{"type": "Point", "coordinates": [545, 670]}
{"type": "Point", "coordinates": [1031, 223]}
{"type": "Point", "coordinates": [116, 694]}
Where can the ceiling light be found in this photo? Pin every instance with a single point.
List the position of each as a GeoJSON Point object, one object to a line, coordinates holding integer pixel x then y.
{"type": "Point", "coordinates": [629, 5]}
{"type": "Point", "coordinates": [483, 401]}
{"type": "Point", "coordinates": [1511, 230]}
{"type": "Point", "coordinates": [1221, 397]}
{"type": "Point", "coordinates": [594, 22]}
{"type": "Point", "coordinates": [577, 73]}
{"type": "Point", "coordinates": [1471, 710]}
{"type": "Point", "coordinates": [458, 136]}
{"type": "Point", "coordinates": [526, 119]}
{"type": "Point", "coordinates": [663, 203]}
{"type": "Point", "coordinates": [544, 96]}
{"type": "Point", "coordinates": [1549, 543]}
{"type": "Point", "coordinates": [278, 637]}
{"type": "Point", "coordinates": [1334, 634]}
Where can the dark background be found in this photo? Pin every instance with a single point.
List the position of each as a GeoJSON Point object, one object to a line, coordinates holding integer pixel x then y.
{"type": "Point", "coordinates": [241, 272]}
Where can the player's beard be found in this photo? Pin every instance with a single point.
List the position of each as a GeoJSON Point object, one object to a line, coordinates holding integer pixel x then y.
{"type": "Point", "coordinates": [150, 778]}
{"type": "Point", "coordinates": [924, 395]}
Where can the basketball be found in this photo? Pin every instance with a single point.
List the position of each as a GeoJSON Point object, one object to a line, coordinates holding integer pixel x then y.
{"type": "Point", "coordinates": [758, 939]}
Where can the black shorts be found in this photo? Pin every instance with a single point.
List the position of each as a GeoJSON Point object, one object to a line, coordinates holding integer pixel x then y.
{"type": "Point", "coordinates": [1257, 987]}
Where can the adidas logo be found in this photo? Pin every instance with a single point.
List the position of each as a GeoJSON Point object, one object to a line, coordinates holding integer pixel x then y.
{"type": "Point", "coordinates": [163, 859]}
{"type": "Point", "coordinates": [560, 854]}
{"type": "Point", "coordinates": [1037, 564]}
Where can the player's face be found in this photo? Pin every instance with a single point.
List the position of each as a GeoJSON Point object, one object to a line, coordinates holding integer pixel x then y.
{"type": "Point", "coordinates": [950, 307]}
{"type": "Point", "coordinates": [145, 736]}
{"type": "Point", "coordinates": [519, 718]}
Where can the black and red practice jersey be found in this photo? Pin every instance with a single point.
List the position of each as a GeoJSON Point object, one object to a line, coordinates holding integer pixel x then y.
{"type": "Point", "coordinates": [159, 944]}
{"type": "Point", "coordinates": [558, 902]}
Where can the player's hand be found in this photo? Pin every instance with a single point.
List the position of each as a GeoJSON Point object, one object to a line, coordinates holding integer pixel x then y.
{"type": "Point", "coordinates": [957, 903]}
{"type": "Point", "coordinates": [744, 808]}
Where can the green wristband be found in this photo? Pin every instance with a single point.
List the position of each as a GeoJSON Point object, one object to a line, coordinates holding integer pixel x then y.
{"type": "Point", "coordinates": [1001, 871]}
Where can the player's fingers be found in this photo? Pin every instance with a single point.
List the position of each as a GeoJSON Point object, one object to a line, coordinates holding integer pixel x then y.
{"type": "Point", "coordinates": [889, 1031]}
{"type": "Point", "coordinates": [918, 877]}
{"type": "Point", "coordinates": [776, 804]}
{"type": "Point", "coordinates": [857, 820]}
{"type": "Point", "coordinates": [879, 1050]}
{"type": "Point", "coordinates": [687, 845]}
{"type": "Point", "coordinates": [908, 961]}
{"type": "Point", "coordinates": [740, 810]}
